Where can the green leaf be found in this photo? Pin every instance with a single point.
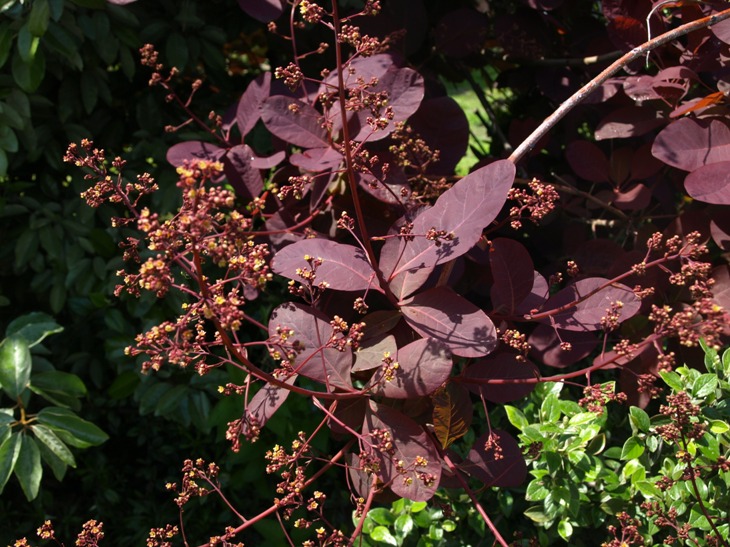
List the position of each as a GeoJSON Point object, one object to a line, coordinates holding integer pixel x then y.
{"type": "Point", "coordinates": [712, 359]}
{"type": "Point", "coordinates": [672, 379]}
{"type": "Point", "coordinates": [46, 436]}
{"type": "Point", "coordinates": [726, 363]}
{"type": "Point", "coordinates": [418, 506]}
{"type": "Point", "coordinates": [516, 417]}
{"type": "Point", "coordinates": [639, 419]}
{"type": "Point", "coordinates": [28, 468]}
{"type": "Point", "coordinates": [9, 452]}
{"type": "Point", "coordinates": [39, 16]}
{"type": "Point", "coordinates": [648, 489]}
{"type": "Point", "coordinates": [632, 449]}
{"type": "Point", "coordinates": [8, 139]}
{"type": "Point", "coordinates": [403, 525]}
{"type": "Point", "coordinates": [718, 427]}
{"type": "Point", "coordinates": [15, 365]}
{"type": "Point", "coordinates": [64, 420]}
{"type": "Point", "coordinates": [57, 466]}
{"type": "Point", "coordinates": [704, 385]}
{"type": "Point", "coordinates": [565, 529]}
{"type": "Point", "coordinates": [6, 41]}
{"type": "Point", "coordinates": [33, 327]}
{"type": "Point", "coordinates": [3, 163]}
{"type": "Point", "coordinates": [29, 74]}
{"type": "Point", "coordinates": [27, 44]}
{"type": "Point", "coordinates": [381, 515]}
{"type": "Point", "coordinates": [7, 417]}
{"type": "Point", "coordinates": [383, 535]}
{"type": "Point", "coordinates": [124, 385]}
{"type": "Point", "coordinates": [536, 514]}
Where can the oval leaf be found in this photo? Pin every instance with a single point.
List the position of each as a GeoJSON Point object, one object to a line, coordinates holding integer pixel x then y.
{"type": "Point", "coordinates": [688, 144]}
{"type": "Point", "coordinates": [464, 210]}
{"type": "Point", "coordinates": [311, 334]}
{"type": "Point", "coordinates": [248, 111]}
{"type": "Point", "coordinates": [15, 365]}
{"type": "Point", "coordinates": [33, 327]}
{"type": "Point", "coordinates": [189, 151]}
{"type": "Point", "coordinates": [423, 367]}
{"type": "Point", "coordinates": [442, 314]}
{"type": "Point", "coordinates": [413, 466]}
{"type": "Point", "coordinates": [294, 121]}
{"type": "Point", "coordinates": [263, 405]}
{"type": "Point", "coordinates": [491, 377]}
{"type": "Point", "coordinates": [343, 268]}
{"type": "Point", "coordinates": [513, 273]}
{"type": "Point", "coordinates": [586, 315]}
{"type": "Point", "coordinates": [507, 471]}
{"type": "Point", "coordinates": [710, 183]}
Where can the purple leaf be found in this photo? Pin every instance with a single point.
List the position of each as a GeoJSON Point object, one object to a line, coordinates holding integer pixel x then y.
{"type": "Point", "coordinates": [392, 187]}
{"type": "Point", "coordinates": [587, 314]}
{"type": "Point", "coordinates": [504, 366]}
{"type": "Point", "coordinates": [241, 174]}
{"type": "Point", "coordinates": [269, 161]}
{"type": "Point", "coordinates": [629, 121]}
{"type": "Point", "coordinates": [344, 267]}
{"type": "Point", "coordinates": [443, 125]}
{"type": "Point", "coordinates": [311, 333]}
{"type": "Point", "coordinates": [351, 412]}
{"type": "Point", "coordinates": [413, 466]}
{"type": "Point", "coordinates": [423, 367]}
{"type": "Point", "coordinates": [317, 160]}
{"type": "Point", "coordinates": [710, 183]}
{"type": "Point", "coordinates": [248, 111]}
{"type": "Point", "coordinates": [405, 90]}
{"type": "Point", "coordinates": [720, 229]}
{"type": "Point", "coordinates": [587, 161]}
{"type": "Point", "coordinates": [370, 354]}
{"type": "Point", "coordinates": [508, 471]}
{"type": "Point", "coordinates": [513, 274]}
{"type": "Point", "coordinates": [442, 314]}
{"type": "Point", "coordinates": [460, 33]}
{"type": "Point", "coordinates": [545, 346]}
{"type": "Point", "coordinates": [188, 151]}
{"type": "Point", "coordinates": [262, 10]}
{"type": "Point", "coordinates": [632, 199]}
{"type": "Point", "coordinates": [537, 297]}
{"type": "Point", "coordinates": [688, 144]}
{"type": "Point", "coordinates": [263, 405]}
{"type": "Point", "coordinates": [294, 121]}
{"type": "Point", "coordinates": [464, 210]}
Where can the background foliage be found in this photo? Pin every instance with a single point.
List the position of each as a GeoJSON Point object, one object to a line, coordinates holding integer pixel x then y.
{"type": "Point", "coordinates": [69, 70]}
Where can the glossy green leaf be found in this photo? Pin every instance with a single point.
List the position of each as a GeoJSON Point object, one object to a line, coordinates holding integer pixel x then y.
{"type": "Point", "coordinates": [403, 525]}
{"type": "Point", "coordinates": [55, 381]}
{"type": "Point", "coordinates": [704, 385]}
{"type": "Point", "coordinates": [672, 379]}
{"type": "Point", "coordinates": [516, 417]}
{"type": "Point", "coordinates": [7, 417]}
{"type": "Point", "coordinates": [565, 529]}
{"type": "Point", "coordinates": [46, 436]}
{"type": "Point", "coordinates": [9, 451]}
{"type": "Point", "coordinates": [382, 515]}
{"type": "Point", "coordinates": [639, 419]}
{"type": "Point", "coordinates": [58, 468]}
{"type": "Point", "coordinates": [28, 468]}
{"type": "Point", "coordinates": [63, 420]}
{"type": "Point", "coordinates": [15, 366]}
{"type": "Point", "coordinates": [633, 448]}
{"type": "Point", "coordinates": [383, 535]}
{"type": "Point", "coordinates": [29, 74]}
{"type": "Point", "coordinates": [33, 327]}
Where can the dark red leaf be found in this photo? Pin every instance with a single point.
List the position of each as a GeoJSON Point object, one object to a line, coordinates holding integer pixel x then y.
{"type": "Point", "coordinates": [721, 288]}
{"type": "Point", "coordinates": [248, 111]}
{"type": "Point", "coordinates": [460, 33]}
{"type": "Point", "coordinates": [294, 121]}
{"type": "Point", "coordinates": [452, 413]}
{"type": "Point", "coordinates": [507, 471]}
{"type": "Point", "coordinates": [263, 405]}
{"type": "Point", "coordinates": [494, 369]}
{"type": "Point", "coordinates": [464, 210]}
{"type": "Point", "coordinates": [537, 297]}
{"type": "Point", "coordinates": [720, 229]}
{"type": "Point", "coordinates": [688, 144]}
{"type": "Point", "coordinates": [513, 274]}
{"type": "Point", "coordinates": [262, 10]}
{"type": "Point", "coordinates": [188, 151]}
{"type": "Point", "coordinates": [350, 412]}
{"type": "Point", "coordinates": [423, 367]}
{"type": "Point", "coordinates": [587, 314]}
{"type": "Point", "coordinates": [343, 268]}
{"type": "Point", "coordinates": [443, 125]}
{"type": "Point", "coordinates": [268, 162]}
{"type": "Point", "coordinates": [587, 161]}
{"type": "Point", "coordinates": [317, 160]}
{"type": "Point", "coordinates": [413, 466]}
{"type": "Point", "coordinates": [545, 346]}
{"type": "Point", "coordinates": [442, 314]}
{"type": "Point", "coordinates": [634, 198]}
{"type": "Point", "coordinates": [629, 121]}
{"type": "Point", "coordinates": [311, 333]}
{"type": "Point", "coordinates": [240, 172]}
{"type": "Point", "coordinates": [710, 183]}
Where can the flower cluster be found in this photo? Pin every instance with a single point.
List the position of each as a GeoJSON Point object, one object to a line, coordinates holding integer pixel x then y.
{"type": "Point", "coordinates": [534, 202]}
{"type": "Point", "coordinates": [597, 396]}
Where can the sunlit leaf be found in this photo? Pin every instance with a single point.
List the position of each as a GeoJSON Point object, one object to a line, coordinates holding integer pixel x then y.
{"type": "Point", "coordinates": [15, 365]}
{"type": "Point", "coordinates": [452, 413]}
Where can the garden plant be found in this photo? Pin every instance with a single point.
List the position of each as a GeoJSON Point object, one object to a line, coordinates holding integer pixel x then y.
{"type": "Point", "coordinates": [512, 340]}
